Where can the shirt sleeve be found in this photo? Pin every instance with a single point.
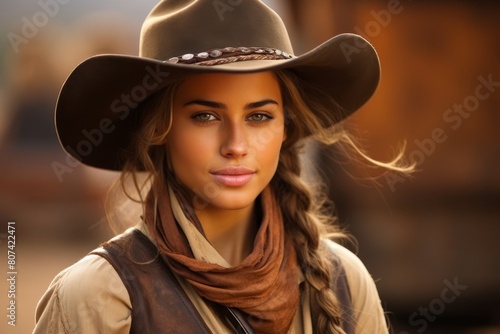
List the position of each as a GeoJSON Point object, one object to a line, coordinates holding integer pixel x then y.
{"type": "Point", "coordinates": [86, 298]}
{"type": "Point", "coordinates": [367, 309]}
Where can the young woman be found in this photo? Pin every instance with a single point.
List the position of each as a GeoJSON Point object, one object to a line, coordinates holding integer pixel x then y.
{"type": "Point", "coordinates": [230, 240]}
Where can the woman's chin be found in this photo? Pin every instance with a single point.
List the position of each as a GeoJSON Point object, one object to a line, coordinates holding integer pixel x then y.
{"type": "Point", "coordinates": [225, 202]}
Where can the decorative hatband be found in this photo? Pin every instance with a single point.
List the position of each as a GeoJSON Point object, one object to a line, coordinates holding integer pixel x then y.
{"type": "Point", "coordinates": [230, 55]}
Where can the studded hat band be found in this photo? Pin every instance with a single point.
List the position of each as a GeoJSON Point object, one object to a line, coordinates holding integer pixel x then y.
{"type": "Point", "coordinates": [230, 55]}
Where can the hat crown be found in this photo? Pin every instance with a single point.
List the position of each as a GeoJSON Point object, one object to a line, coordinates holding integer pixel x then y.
{"type": "Point", "coordinates": [177, 27]}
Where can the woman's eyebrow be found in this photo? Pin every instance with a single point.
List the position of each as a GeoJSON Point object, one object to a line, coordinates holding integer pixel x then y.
{"type": "Point", "coordinates": [205, 103]}
{"type": "Point", "coordinates": [259, 104]}
{"type": "Point", "coordinates": [213, 104]}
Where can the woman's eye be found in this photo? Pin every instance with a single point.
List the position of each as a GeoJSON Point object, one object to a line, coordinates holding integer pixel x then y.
{"type": "Point", "coordinates": [259, 117]}
{"type": "Point", "coordinates": [204, 117]}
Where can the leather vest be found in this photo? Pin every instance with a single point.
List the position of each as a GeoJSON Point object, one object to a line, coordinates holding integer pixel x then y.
{"type": "Point", "coordinates": [160, 305]}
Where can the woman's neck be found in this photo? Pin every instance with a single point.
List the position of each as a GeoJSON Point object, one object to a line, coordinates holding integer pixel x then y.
{"type": "Point", "coordinates": [231, 232]}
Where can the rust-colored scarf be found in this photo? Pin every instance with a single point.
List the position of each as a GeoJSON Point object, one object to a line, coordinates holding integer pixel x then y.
{"type": "Point", "coordinates": [264, 285]}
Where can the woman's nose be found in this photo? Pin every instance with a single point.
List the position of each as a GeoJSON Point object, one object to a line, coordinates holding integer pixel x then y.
{"type": "Point", "coordinates": [234, 141]}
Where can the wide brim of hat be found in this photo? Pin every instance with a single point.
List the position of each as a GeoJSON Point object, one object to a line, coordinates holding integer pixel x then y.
{"type": "Point", "coordinates": [97, 103]}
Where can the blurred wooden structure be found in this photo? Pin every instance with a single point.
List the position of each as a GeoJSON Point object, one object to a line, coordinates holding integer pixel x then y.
{"type": "Point", "coordinates": [444, 222]}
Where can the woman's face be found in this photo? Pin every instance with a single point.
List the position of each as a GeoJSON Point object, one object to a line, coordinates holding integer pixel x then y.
{"type": "Point", "coordinates": [226, 137]}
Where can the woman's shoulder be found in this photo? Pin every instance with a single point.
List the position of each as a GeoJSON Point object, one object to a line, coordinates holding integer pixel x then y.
{"type": "Point", "coordinates": [368, 312]}
{"type": "Point", "coordinates": [91, 274]}
{"type": "Point", "coordinates": [88, 289]}
{"type": "Point", "coordinates": [358, 277]}
{"type": "Point", "coordinates": [350, 261]}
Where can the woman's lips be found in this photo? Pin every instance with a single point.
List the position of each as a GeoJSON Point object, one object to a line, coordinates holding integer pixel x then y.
{"type": "Point", "coordinates": [233, 176]}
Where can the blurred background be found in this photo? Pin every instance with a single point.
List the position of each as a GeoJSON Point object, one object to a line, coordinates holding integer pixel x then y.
{"type": "Point", "coordinates": [429, 240]}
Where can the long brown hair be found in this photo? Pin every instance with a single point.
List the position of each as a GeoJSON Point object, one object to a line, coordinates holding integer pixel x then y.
{"type": "Point", "coordinates": [307, 111]}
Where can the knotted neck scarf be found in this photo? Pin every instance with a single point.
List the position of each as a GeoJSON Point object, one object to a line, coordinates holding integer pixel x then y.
{"type": "Point", "coordinates": [264, 286]}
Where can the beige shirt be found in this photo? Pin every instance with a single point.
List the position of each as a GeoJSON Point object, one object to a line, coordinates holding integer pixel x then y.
{"type": "Point", "coordinates": [89, 297]}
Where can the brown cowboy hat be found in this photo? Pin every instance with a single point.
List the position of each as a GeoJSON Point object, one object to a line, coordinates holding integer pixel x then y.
{"type": "Point", "coordinates": [97, 103]}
